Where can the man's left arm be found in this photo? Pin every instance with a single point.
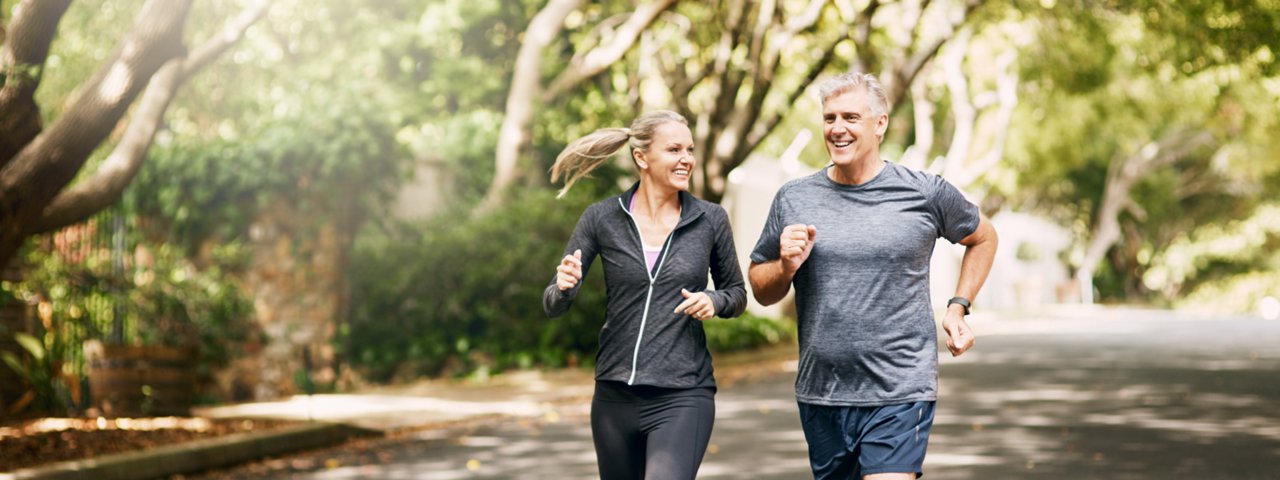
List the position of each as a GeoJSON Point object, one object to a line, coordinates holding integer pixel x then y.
{"type": "Point", "coordinates": [979, 253]}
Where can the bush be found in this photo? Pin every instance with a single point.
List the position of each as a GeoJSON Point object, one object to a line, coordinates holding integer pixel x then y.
{"type": "Point", "coordinates": [457, 295]}
{"type": "Point", "coordinates": [746, 332]}
{"type": "Point", "coordinates": [153, 296]}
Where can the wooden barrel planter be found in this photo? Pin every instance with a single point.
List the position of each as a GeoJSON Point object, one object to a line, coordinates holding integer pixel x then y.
{"type": "Point", "coordinates": [134, 380]}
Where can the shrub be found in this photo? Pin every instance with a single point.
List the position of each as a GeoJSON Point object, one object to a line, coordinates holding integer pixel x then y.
{"type": "Point", "coordinates": [746, 332]}
{"type": "Point", "coordinates": [457, 295]}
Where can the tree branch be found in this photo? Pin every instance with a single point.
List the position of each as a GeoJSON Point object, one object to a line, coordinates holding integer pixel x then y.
{"type": "Point", "coordinates": [910, 64]}
{"type": "Point", "coordinates": [1123, 173]}
{"type": "Point", "coordinates": [21, 63]}
{"type": "Point", "coordinates": [922, 109]}
{"type": "Point", "coordinates": [91, 195]}
{"type": "Point", "coordinates": [769, 123]}
{"type": "Point", "coordinates": [34, 27]}
{"type": "Point", "coordinates": [224, 40]}
{"type": "Point", "coordinates": [962, 109]}
{"type": "Point", "coordinates": [867, 58]}
{"type": "Point", "coordinates": [1007, 93]}
{"type": "Point", "coordinates": [50, 161]}
{"type": "Point", "coordinates": [601, 57]}
{"type": "Point", "coordinates": [525, 87]}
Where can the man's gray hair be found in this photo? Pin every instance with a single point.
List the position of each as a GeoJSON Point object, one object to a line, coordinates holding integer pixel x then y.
{"type": "Point", "coordinates": [850, 80]}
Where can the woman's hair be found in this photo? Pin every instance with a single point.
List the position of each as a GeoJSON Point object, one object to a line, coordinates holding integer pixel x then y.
{"type": "Point", "coordinates": [583, 155]}
{"type": "Point", "coordinates": [850, 80]}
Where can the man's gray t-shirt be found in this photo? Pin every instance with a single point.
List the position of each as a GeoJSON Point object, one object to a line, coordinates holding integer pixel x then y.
{"type": "Point", "coordinates": [867, 333]}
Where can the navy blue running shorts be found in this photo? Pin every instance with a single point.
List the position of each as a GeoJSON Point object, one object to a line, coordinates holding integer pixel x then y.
{"type": "Point", "coordinates": [849, 442]}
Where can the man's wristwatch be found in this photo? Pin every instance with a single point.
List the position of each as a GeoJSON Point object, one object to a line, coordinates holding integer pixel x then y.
{"type": "Point", "coordinates": [961, 301]}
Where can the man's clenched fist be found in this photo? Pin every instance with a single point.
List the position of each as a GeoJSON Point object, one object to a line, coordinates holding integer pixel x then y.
{"type": "Point", "coordinates": [796, 243]}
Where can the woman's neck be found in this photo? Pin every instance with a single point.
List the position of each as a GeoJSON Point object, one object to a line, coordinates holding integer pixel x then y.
{"type": "Point", "coordinates": [655, 204]}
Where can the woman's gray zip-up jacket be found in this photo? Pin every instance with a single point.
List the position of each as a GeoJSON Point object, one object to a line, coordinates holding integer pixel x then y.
{"type": "Point", "coordinates": [643, 342]}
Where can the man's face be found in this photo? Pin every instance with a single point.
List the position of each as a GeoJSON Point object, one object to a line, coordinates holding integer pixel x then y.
{"type": "Point", "coordinates": [851, 130]}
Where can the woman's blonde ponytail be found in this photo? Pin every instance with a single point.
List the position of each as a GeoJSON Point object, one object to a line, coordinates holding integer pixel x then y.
{"type": "Point", "coordinates": [583, 155]}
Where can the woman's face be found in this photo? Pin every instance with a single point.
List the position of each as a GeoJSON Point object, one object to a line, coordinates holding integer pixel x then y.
{"type": "Point", "coordinates": [669, 159]}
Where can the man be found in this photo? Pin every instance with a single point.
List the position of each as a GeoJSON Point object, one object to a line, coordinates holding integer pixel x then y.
{"type": "Point", "coordinates": [855, 238]}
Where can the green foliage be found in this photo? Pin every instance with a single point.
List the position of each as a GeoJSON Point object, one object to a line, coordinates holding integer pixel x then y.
{"type": "Point", "coordinates": [746, 332]}
{"type": "Point", "coordinates": [174, 303]}
{"type": "Point", "coordinates": [1211, 32]}
{"type": "Point", "coordinates": [87, 35]}
{"type": "Point", "coordinates": [332, 162]}
{"type": "Point", "coordinates": [1211, 258]}
{"type": "Point", "coordinates": [158, 297]}
{"type": "Point", "coordinates": [1076, 49]}
{"type": "Point", "coordinates": [1096, 99]}
{"type": "Point", "coordinates": [455, 294]}
{"type": "Point", "coordinates": [1239, 293]}
{"type": "Point", "coordinates": [51, 384]}
{"type": "Point", "coordinates": [458, 295]}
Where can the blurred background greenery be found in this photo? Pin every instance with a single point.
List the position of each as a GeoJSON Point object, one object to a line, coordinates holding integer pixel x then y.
{"type": "Point", "coordinates": [355, 191]}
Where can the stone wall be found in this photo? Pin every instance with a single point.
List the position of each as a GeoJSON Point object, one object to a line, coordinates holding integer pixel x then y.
{"type": "Point", "coordinates": [297, 287]}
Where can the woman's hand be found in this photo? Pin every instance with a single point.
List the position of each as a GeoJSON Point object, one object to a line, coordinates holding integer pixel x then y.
{"type": "Point", "coordinates": [696, 305]}
{"type": "Point", "coordinates": [569, 273]}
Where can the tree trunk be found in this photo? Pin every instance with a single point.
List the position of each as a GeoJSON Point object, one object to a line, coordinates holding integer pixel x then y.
{"type": "Point", "coordinates": [104, 188]}
{"type": "Point", "coordinates": [1122, 175]}
{"type": "Point", "coordinates": [22, 61]}
{"type": "Point", "coordinates": [526, 87]}
{"type": "Point", "coordinates": [731, 126]}
{"type": "Point", "coordinates": [525, 90]}
{"type": "Point", "coordinates": [42, 163]}
{"type": "Point", "coordinates": [45, 165]}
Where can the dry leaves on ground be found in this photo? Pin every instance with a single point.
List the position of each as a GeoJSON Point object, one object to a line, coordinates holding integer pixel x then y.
{"type": "Point", "coordinates": [37, 442]}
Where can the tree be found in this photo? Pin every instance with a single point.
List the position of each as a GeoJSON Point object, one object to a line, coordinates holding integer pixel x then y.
{"type": "Point", "coordinates": [963, 162]}
{"type": "Point", "coordinates": [1154, 137]}
{"type": "Point", "coordinates": [735, 75]}
{"type": "Point", "coordinates": [613, 41]}
{"type": "Point", "coordinates": [743, 78]}
{"type": "Point", "coordinates": [1122, 176]}
{"type": "Point", "coordinates": [37, 164]}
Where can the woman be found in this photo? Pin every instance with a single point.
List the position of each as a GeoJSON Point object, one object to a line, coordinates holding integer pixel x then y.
{"type": "Point", "coordinates": [654, 405]}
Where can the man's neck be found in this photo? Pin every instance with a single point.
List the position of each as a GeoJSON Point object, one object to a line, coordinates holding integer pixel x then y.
{"type": "Point", "coordinates": [857, 173]}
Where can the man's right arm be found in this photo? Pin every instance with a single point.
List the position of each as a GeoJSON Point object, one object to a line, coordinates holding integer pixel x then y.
{"type": "Point", "coordinates": [769, 283]}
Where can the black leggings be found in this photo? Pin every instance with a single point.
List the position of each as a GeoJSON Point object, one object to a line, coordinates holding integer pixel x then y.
{"type": "Point", "coordinates": [646, 432]}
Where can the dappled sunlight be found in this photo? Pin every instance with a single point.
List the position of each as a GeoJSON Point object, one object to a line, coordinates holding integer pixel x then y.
{"type": "Point", "coordinates": [152, 423]}
{"type": "Point", "coordinates": [350, 407]}
{"type": "Point", "coordinates": [953, 459]}
{"type": "Point", "coordinates": [1140, 400]}
{"type": "Point", "coordinates": [1174, 399]}
{"type": "Point", "coordinates": [757, 433]}
{"type": "Point", "coordinates": [115, 84]}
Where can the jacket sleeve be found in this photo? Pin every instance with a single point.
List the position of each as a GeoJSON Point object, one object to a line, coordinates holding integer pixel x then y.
{"type": "Point", "coordinates": [730, 295]}
{"type": "Point", "coordinates": [554, 301]}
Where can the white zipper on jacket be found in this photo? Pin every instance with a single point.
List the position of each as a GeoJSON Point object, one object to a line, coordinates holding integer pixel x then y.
{"type": "Point", "coordinates": [653, 276]}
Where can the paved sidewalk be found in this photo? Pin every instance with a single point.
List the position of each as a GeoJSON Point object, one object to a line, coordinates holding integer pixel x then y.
{"type": "Point", "coordinates": [1068, 393]}
{"type": "Point", "coordinates": [517, 394]}
{"type": "Point", "coordinates": [427, 409]}
{"type": "Point", "coordinates": [1062, 393]}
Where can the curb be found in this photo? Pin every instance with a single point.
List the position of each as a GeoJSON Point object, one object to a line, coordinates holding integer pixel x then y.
{"type": "Point", "coordinates": [195, 455]}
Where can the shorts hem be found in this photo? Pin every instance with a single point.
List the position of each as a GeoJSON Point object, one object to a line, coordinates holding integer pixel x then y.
{"type": "Point", "coordinates": [826, 402]}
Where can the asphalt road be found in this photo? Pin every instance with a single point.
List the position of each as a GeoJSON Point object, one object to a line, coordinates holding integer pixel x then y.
{"type": "Point", "coordinates": [1089, 395]}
